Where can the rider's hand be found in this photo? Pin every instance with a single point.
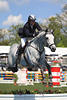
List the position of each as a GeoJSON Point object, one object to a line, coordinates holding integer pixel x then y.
{"type": "Point", "coordinates": [34, 35]}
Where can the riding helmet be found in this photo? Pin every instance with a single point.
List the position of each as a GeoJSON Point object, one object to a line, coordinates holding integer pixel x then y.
{"type": "Point", "coordinates": [31, 18]}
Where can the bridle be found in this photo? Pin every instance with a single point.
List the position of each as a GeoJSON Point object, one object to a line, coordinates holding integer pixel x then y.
{"type": "Point", "coordinates": [51, 45]}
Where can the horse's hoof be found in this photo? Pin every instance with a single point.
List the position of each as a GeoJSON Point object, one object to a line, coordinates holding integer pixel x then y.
{"type": "Point", "coordinates": [50, 84]}
{"type": "Point", "coordinates": [13, 69]}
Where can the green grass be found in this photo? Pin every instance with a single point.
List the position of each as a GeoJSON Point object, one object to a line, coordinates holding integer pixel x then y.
{"type": "Point", "coordinates": [36, 88]}
{"type": "Point", "coordinates": [10, 87]}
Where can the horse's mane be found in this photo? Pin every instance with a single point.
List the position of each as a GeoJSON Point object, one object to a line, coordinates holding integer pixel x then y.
{"type": "Point", "coordinates": [41, 33]}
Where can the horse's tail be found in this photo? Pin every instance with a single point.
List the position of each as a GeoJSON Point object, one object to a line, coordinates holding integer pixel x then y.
{"type": "Point", "coordinates": [12, 55]}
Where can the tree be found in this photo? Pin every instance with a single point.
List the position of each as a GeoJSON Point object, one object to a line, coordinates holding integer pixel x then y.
{"type": "Point", "coordinates": [4, 42]}
{"type": "Point", "coordinates": [14, 38]}
{"type": "Point", "coordinates": [63, 20]}
{"type": "Point", "coordinates": [56, 26]}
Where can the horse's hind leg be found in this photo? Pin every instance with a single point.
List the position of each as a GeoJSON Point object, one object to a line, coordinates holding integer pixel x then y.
{"type": "Point", "coordinates": [43, 76]}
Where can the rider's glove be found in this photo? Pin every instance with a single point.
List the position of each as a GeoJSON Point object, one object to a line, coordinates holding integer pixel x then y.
{"type": "Point", "coordinates": [34, 35]}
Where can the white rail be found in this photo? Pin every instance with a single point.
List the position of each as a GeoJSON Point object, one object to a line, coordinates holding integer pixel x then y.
{"type": "Point", "coordinates": [34, 97]}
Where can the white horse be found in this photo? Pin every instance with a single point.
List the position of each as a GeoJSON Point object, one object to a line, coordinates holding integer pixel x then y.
{"type": "Point", "coordinates": [34, 53]}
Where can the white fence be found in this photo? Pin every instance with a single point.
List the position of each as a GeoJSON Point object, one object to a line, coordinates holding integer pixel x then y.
{"type": "Point", "coordinates": [34, 97]}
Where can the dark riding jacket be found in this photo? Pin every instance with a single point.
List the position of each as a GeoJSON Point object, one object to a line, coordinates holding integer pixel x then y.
{"type": "Point", "coordinates": [29, 31]}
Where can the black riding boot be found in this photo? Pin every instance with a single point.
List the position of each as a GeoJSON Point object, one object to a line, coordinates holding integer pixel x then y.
{"type": "Point", "coordinates": [19, 50]}
{"type": "Point", "coordinates": [18, 54]}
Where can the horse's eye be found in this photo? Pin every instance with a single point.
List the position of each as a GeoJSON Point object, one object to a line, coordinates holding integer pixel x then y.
{"type": "Point", "coordinates": [46, 38]}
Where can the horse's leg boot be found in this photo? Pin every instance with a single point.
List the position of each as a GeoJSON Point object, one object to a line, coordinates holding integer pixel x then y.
{"type": "Point", "coordinates": [50, 81]}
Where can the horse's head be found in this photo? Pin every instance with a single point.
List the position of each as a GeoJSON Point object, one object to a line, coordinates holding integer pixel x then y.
{"type": "Point", "coordinates": [50, 40]}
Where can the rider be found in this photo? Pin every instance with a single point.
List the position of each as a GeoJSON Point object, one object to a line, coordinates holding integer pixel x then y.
{"type": "Point", "coordinates": [29, 30]}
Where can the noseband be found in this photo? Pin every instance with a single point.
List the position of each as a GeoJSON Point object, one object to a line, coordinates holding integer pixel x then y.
{"type": "Point", "coordinates": [51, 45]}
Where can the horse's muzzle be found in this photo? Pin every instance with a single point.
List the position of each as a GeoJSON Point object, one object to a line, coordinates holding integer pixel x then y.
{"type": "Point", "coordinates": [53, 48]}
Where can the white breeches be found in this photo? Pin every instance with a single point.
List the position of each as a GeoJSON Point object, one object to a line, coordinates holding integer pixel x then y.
{"type": "Point", "coordinates": [23, 41]}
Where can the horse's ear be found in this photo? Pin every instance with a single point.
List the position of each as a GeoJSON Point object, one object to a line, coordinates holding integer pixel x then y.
{"type": "Point", "coordinates": [52, 31]}
{"type": "Point", "coordinates": [46, 30]}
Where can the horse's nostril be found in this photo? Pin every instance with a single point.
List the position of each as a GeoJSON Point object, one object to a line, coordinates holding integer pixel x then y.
{"type": "Point", "coordinates": [53, 49]}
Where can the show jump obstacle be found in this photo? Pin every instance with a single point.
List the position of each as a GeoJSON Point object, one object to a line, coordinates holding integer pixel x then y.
{"type": "Point", "coordinates": [30, 77]}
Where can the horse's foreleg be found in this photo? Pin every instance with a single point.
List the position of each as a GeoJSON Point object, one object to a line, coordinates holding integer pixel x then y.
{"type": "Point", "coordinates": [42, 73]}
{"type": "Point", "coordinates": [48, 67]}
{"type": "Point", "coordinates": [50, 74]}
